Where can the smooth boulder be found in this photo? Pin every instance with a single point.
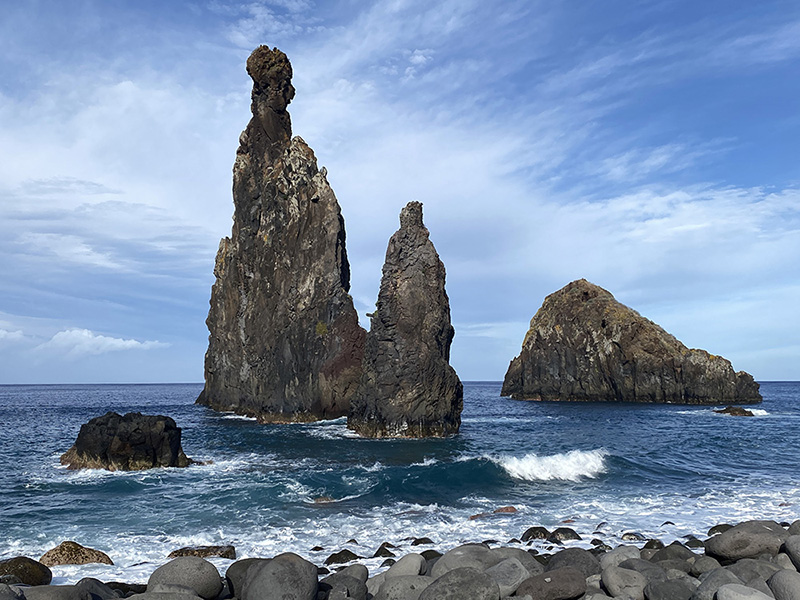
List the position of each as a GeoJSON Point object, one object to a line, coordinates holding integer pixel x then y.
{"type": "Point", "coordinates": [462, 584]}
{"type": "Point", "coordinates": [562, 584]}
{"type": "Point", "coordinates": [188, 571]}
{"type": "Point", "coordinates": [284, 577]}
{"type": "Point", "coordinates": [747, 540]}
{"type": "Point", "coordinates": [785, 585]}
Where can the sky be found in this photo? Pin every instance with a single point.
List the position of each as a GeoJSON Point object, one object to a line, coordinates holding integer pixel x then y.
{"type": "Point", "coordinates": [650, 147]}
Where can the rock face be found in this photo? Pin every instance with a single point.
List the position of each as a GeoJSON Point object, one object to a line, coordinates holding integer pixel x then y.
{"type": "Point", "coordinates": [408, 388]}
{"type": "Point", "coordinates": [284, 343]}
{"type": "Point", "coordinates": [131, 443]}
{"type": "Point", "coordinates": [583, 345]}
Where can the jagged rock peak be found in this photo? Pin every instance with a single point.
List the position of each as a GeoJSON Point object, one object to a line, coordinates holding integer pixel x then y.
{"type": "Point", "coordinates": [271, 125]}
{"type": "Point", "coordinates": [408, 388]}
{"type": "Point", "coordinates": [284, 343]}
{"type": "Point", "coordinates": [584, 345]}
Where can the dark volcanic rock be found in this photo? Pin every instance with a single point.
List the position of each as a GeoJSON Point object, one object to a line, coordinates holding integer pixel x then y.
{"type": "Point", "coordinates": [205, 552]}
{"type": "Point", "coordinates": [284, 343]}
{"type": "Point", "coordinates": [735, 411]}
{"type": "Point", "coordinates": [583, 345]}
{"type": "Point", "coordinates": [408, 388]}
{"type": "Point", "coordinates": [131, 443]}
{"type": "Point", "coordinates": [26, 570]}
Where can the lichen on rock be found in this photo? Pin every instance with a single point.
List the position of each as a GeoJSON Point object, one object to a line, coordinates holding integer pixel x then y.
{"type": "Point", "coordinates": [583, 345]}
{"type": "Point", "coordinates": [408, 388]}
{"type": "Point", "coordinates": [285, 344]}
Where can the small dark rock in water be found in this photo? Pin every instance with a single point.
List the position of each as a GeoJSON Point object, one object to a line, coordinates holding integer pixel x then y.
{"type": "Point", "coordinates": [632, 536]}
{"type": "Point", "coordinates": [535, 533]}
{"type": "Point", "coordinates": [388, 562]}
{"type": "Point", "coordinates": [735, 411]}
{"type": "Point", "coordinates": [563, 534]}
{"type": "Point", "coordinates": [583, 345]}
{"type": "Point", "coordinates": [131, 443]}
{"type": "Point", "coordinates": [285, 344]}
{"type": "Point", "coordinates": [343, 556]}
{"type": "Point", "coordinates": [26, 570]}
{"type": "Point", "coordinates": [384, 552]}
{"type": "Point", "coordinates": [422, 541]}
{"type": "Point", "coordinates": [665, 523]}
{"type": "Point", "coordinates": [653, 545]}
{"type": "Point", "coordinates": [72, 553]}
{"type": "Point", "coordinates": [352, 541]}
{"type": "Point", "coordinates": [408, 388]}
{"type": "Point", "coordinates": [205, 552]}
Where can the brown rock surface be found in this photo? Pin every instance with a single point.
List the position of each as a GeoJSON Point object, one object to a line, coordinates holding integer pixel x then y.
{"type": "Point", "coordinates": [72, 553]}
{"type": "Point", "coordinates": [408, 388]}
{"type": "Point", "coordinates": [284, 343]}
{"type": "Point", "coordinates": [133, 442]}
{"type": "Point", "coordinates": [583, 345]}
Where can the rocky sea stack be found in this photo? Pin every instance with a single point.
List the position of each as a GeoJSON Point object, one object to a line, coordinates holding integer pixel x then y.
{"type": "Point", "coordinates": [408, 388]}
{"type": "Point", "coordinates": [583, 345]}
{"type": "Point", "coordinates": [285, 344]}
{"type": "Point", "coordinates": [133, 442]}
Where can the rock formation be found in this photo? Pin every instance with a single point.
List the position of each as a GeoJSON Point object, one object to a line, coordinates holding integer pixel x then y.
{"type": "Point", "coordinates": [284, 343]}
{"type": "Point", "coordinates": [583, 345]}
{"type": "Point", "coordinates": [72, 553]}
{"type": "Point", "coordinates": [131, 443]}
{"type": "Point", "coordinates": [408, 388]}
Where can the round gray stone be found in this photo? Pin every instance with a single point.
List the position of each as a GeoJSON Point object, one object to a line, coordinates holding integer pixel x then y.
{"type": "Point", "coordinates": [624, 583]}
{"type": "Point", "coordinates": [189, 571]}
{"type": "Point", "coordinates": [785, 585]}
{"type": "Point", "coordinates": [737, 591]}
{"type": "Point", "coordinates": [56, 592]}
{"type": "Point", "coordinates": [561, 584]}
{"type": "Point", "coordinates": [463, 583]}
{"type": "Point", "coordinates": [360, 572]}
{"type": "Point", "coordinates": [475, 556]}
{"type": "Point", "coordinates": [403, 587]}
{"type": "Point", "coordinates": [578, 558]}
{"type": "Point", "coordinates": [617, 555]}
{"type": "Point", "coordinates": [672, 589]}
{"type": "Point", "coordinates": [508, 574]}
{"type": "Point", "coordinates": [712, 581]}
{"type": "Point", "coordinates": [651, 571]}
{"type": "Point", "coordinates": [237, 572]}
{"type": "Point", "coordinates": [792, 548]}
{"type": "Point", "coordinates": [285, 577]}
{"type": "Point", "coordinates": [704, 564]}
{"type": "Point", "coordinates": [533, 566]}
{"type": "Point", "coordinates": [410, 564]}
{"type": "Point", "coordinates": [750, 568]}
{"type": "Point", "coordinates": [747, 540]}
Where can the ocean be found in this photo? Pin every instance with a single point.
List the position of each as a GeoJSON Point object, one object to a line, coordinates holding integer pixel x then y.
{"type": "Point", "coordinates": [664, 471]}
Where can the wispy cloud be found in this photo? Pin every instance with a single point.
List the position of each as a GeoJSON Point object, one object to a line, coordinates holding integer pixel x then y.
{"type": "Point", "coordinates": [11, 336]}
{"type": "Point", "coordinates": [76, 343]}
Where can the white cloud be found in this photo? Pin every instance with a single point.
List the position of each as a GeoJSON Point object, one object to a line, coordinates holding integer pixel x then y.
{"type": "Point", "coordinates": [75, 343]}
{"type": "Point", "coordinates": [11, 336]}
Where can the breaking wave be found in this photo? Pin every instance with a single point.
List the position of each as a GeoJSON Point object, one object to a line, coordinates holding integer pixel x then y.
{"type": "Point", "coordinates": [567, 466]}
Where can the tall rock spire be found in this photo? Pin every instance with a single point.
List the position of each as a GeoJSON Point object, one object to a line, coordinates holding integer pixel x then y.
{"type": "Point", "coordinates": [284, 343]}
{"type": "Point", "coordinates": [408, 388]}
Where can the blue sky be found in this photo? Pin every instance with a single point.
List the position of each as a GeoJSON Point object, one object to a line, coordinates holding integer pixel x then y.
{"type": "Point", "coordinates": [650, 147]}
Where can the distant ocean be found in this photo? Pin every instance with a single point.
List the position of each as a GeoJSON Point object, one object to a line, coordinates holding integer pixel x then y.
{"type": "Point", "coordinates": [605, 468]}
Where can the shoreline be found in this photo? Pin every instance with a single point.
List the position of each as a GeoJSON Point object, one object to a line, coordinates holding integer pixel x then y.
{"type": "Point", "coordinates": [761, 549]}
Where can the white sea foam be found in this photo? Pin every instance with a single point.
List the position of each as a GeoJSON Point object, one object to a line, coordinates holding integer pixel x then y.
{"type": "Point", "coordinates": [568, 466]}
{"type": "Point", "coordinates": [758, 412]}
{"type": "Point", "coordinates": [426, 462]}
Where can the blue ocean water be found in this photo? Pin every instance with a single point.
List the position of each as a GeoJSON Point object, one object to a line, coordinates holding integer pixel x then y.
{"type": "Point", "coordinates": [605, 468]}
